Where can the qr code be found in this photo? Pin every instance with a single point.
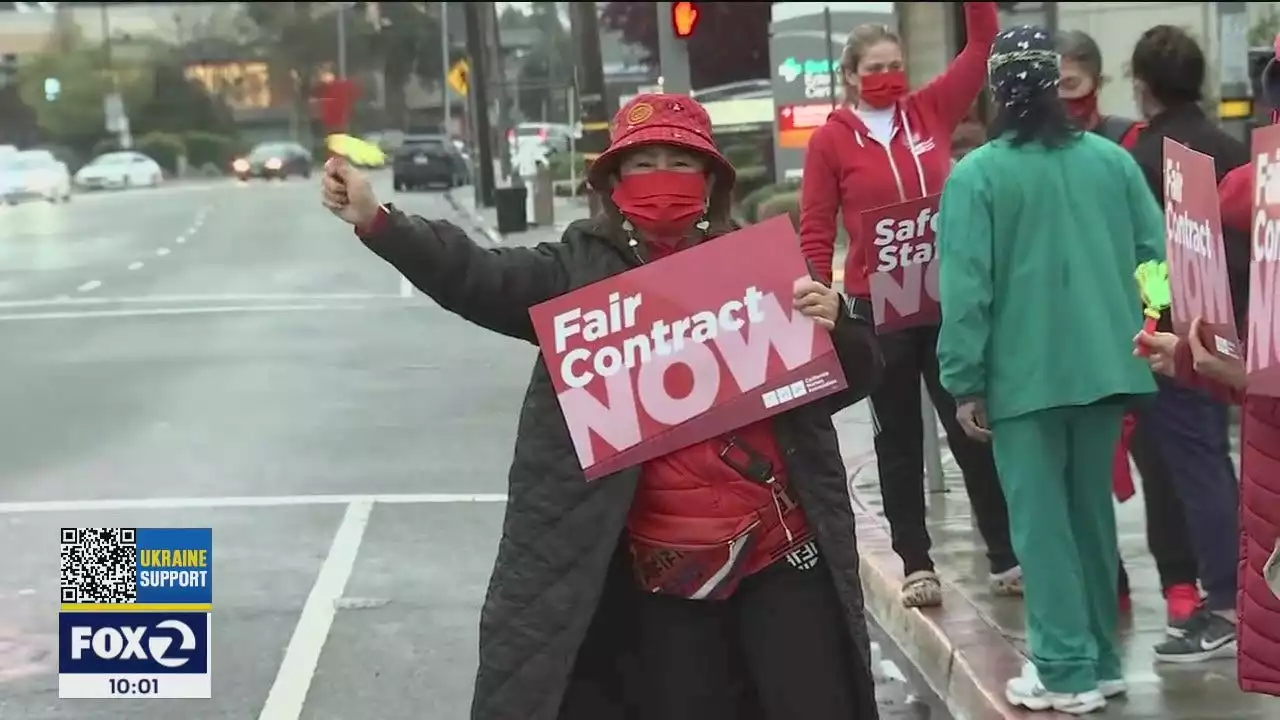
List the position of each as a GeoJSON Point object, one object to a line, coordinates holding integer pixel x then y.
{"type": "Point", "coordinates": [99, 565]}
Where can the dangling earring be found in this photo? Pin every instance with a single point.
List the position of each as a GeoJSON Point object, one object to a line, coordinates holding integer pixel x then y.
{"type": "Point", "coordinates": [630, 230]}
{"type": "Point", "coordinates": [703, 225]}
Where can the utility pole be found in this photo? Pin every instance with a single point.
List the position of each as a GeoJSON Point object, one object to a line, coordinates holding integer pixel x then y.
{"type": "Point", "coordinates": [479, 94]}
{"type": "Point", "coordinates": [673, 54]}
{"type": "Point", "coordinates": [445, 97]}
{"type": "Point", "coordinates": [117, 118]}
{"type": "Point", "coordinates": [589, 81]}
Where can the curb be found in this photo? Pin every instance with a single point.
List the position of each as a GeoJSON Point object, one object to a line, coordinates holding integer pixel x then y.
{"type": "Point", "coordinates": [476, 219]}
{"type": "Point", "coordinates": [964, 658]}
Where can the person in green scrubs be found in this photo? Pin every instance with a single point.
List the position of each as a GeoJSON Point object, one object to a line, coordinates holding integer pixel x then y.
{"type": "Point", "coordinates": [1040, 233]}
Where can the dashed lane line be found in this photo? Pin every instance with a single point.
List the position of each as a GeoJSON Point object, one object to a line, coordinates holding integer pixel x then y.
{"type": "Point", "coordinates": [162, 251]}
{"type": "Point", "coordinates": [90, 286]}
{"type": "Point", "coordinates": [136, 265]}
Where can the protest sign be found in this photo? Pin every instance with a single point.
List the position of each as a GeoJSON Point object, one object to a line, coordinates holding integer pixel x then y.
{"type": "Point", "coordinates": [689, 347]}
{"type": "Point", "coordinates": [1262, 351]}
{"type": "Point", "coordinates": [904, 277]}
{"type": "Point", "coordinates": [1193, 239]}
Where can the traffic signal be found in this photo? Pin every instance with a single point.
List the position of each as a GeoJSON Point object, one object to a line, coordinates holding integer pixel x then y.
{"type": "Point", "coordinates": [684, 19]}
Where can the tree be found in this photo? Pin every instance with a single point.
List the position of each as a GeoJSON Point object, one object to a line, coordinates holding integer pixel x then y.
{"type": "Point", "coordinates": [742, 26]}
{"type": "Point", "coordinates": [548, 66]}
{"type": "Point", "coordinates": [179, 105]}
{"type": "Point", "coordinates": [408, 44]}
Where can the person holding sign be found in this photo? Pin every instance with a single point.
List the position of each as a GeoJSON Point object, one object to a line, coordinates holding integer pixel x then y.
{"type": "Point", "coordinates": [887, 148]}
{"type": "Point", "coordinates": [1192, 428]}
{"type": "Point", "coordinates": [1039, 308]}
{"type": "Point", "coordinates": [716, 581]}
{"type": "Point", "coordinates": [1168, 536]}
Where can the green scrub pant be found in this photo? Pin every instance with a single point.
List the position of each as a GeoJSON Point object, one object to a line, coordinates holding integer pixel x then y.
{"type": "Point", "coordinates": [1056, 469]}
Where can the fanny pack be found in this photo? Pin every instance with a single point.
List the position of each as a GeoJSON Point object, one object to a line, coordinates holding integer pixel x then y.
{"type": "Point", "coordinates": [710, 570]}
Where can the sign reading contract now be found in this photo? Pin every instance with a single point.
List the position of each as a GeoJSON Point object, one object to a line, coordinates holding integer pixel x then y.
{"type": "Point", "coordinates": [904, 276]}
{"type": "Point", "coordinates": [692, 346]}
{"type": "Point", "coordinates": [1262, 356]}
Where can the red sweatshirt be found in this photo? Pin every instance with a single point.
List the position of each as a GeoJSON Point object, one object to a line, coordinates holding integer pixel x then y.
{"type": "Point", "coordinates": [1258, 605]}
{"type": "Point", "coordinates": [847, 170]}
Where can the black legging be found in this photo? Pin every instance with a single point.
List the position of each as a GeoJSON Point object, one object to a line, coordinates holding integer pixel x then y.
{"type": "Point", "coordinates": [1168, 538]}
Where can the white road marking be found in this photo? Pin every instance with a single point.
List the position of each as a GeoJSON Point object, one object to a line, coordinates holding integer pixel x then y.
{"type": "Point", "coordinates": [64, 300]}
{"type": "Point", "coordinates": [180, 239]}
{"type": "Point", "coordinates": [193, 229]}
{"type": "Point", "coordinates": [156, 312]}
{"type": "Point", "coordinates": [289, 691]}
{"type": "Point", "coordinates": [136, 265]}
{"type": "Point", "coordinates": [246, 501]}
{"type": "Point", "coordinates": [90, 286]}
{"type": "Point", "coordinates": [406, 287]}
{"type": "Point", "coordinates": [162, 251]}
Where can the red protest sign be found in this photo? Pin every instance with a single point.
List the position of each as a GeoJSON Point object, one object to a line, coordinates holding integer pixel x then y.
{"type": "Point", "coordinates": [690, 347]}
{"type": "Point", "coordinates": [904, 277]}
{"type": "Point", "coordinates": [1262, 353]}
{"type": "Point", "coordinates": [1193, 238]}
{"type": "Point", "coordinates": [337, 100]}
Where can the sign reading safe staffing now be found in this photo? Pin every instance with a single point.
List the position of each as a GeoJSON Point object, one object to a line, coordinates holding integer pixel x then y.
{"type": "Point", "coordinates": [904, 276]}
{"type": "Point", "coordinates": [1193, 238]}
{"type": "Point", "coordinates": [686, 348]}
{"type": "Point", "coordinates": [1262, 350]}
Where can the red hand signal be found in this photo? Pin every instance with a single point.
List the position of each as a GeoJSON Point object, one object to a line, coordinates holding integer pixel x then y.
{"type": "Point", "coordinates": [684, 17]}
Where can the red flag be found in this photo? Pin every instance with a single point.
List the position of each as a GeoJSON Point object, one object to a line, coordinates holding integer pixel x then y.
{"type": "Point", "coordinates": [336, 100]}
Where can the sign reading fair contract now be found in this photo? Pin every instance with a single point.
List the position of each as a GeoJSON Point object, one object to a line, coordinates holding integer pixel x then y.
{"type": "Point", "coordinates": [689, 347]}
{"type": "Point", "coordinates": [1262, 349]}
{"type": "Point", "coordinates": [1193, 238]}
{"type": "Point", "coordinates": [904, 277]}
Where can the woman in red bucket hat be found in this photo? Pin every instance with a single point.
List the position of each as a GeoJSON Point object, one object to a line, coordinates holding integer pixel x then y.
{"type": "Point", "coordinates": [718, 582]}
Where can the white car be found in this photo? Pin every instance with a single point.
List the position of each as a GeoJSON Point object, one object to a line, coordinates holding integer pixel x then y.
{"type": "Point", "coordinates": [120, 170]}
{"type": "Point", "coordinates": [33, 174]}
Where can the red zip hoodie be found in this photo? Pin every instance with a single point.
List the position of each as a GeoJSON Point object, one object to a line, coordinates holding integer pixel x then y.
{"type": "Point", "coordinates": [1257, 604]}
{"type": "Point", "coordinates": [846, 170]}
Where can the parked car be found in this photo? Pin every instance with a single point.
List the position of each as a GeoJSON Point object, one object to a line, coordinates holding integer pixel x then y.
{"type": "Point", "coordinates": [274, 160]}
{"type": "Point", "coordinates": [33, 174]}
{"type": "Point", "coordinates": [555, 137]}
{"type": "Point", "coordinates": [427, 160]}
{"type": "Point", "coordinates": [121, 169]}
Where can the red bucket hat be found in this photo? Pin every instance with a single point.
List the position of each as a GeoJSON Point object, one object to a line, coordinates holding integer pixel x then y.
{"type": "Point", "coordinates": [661, 119]}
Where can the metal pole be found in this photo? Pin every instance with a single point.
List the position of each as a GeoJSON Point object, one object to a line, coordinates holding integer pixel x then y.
{"type": "Point", "coordinates": [673, 54]}
{"type": "Point", "coordinates": [932, 449]}
{"type": "Point", "coordinates": [444, 68]}
{"type": "Point", "coordinates": [342, 40]}
{"type": "Point", "coordinates": [479, 92]}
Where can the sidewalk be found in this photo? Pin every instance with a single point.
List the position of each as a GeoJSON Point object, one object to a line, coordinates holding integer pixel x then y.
{"type": "Point", "coordinates": [968, 648]}
{"type": "Point", "coordinates": [485, 220]}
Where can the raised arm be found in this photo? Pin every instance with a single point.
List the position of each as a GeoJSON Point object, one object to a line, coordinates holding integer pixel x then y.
{"type": "Point", "coordinates": [493, 288]}
{"type": "Point", "coordinates": [949, 96]}
{"type": "Point", "coordinates": [964, 281]}
{"type": "Point", "coordinates": [819, 206]}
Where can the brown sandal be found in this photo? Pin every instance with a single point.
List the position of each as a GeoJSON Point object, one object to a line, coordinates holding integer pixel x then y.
{"type": "Point", "coordinates": [922, 589]}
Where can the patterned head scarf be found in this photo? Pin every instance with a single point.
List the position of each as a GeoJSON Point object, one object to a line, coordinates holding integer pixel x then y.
{"type": "Point", "coordinates": [1024, 65]}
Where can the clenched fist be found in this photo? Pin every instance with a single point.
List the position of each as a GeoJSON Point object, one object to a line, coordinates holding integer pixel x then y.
{"type": "Point", "coordinates": [347, 193]}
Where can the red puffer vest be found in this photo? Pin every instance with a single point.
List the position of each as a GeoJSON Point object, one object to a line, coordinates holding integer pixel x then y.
{"type": "Point", "coordinates": [1259, 600]}
{"type": "Point", "coordinates": [699, 524]}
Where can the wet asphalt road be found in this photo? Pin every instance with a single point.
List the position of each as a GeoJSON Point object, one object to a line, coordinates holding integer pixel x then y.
{"type": "Point", "coordinates": [230, 356]}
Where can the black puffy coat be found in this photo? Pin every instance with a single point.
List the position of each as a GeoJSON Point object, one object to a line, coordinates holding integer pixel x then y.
{"type": "Point", "coordinates": [542, 657]}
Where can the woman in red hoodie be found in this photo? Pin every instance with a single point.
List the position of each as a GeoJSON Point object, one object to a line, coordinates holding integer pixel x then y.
{"type": "Point", "coordinates": [887, 146]}
{"type": "Point", "coordinates": [716, 582]}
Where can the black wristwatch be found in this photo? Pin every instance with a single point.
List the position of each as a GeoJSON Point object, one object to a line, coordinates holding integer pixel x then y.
{"type": "Point", "coordinates": [857, 309]}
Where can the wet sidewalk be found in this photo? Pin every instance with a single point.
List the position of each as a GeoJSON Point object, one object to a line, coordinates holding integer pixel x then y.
{"type": "Point", "coordinates": [975, 641]}
{"type": "Point", "coordinates": [485, 220]}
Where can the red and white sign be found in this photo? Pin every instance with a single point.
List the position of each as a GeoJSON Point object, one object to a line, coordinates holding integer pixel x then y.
{"type": "Point", "coordinates": [1193, 237]}
{"type": "Point", "coordinates": [904, 276]}
{"type": "Point", "coordinates": [1262, 352]}
{"type": "Point", "coordinates": [689, 347]}
{"type": "Point", "coordinates": [803, 117]}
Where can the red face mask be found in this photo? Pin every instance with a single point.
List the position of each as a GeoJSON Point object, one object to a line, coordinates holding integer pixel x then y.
{"type": "Point", "coordinates": [663, 204]}
{"type": "Point", "coordinates": [1084, 109]}
{"type": "Point", "coordinates": [883, 89]}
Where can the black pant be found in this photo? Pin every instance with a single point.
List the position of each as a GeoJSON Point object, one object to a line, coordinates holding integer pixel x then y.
{"type": "Point", "coordinates": [777, 649]}
{"type": "Point", "coordinates": [908, 356]}
{"type": "Point", "coordinates": [1167, 536]}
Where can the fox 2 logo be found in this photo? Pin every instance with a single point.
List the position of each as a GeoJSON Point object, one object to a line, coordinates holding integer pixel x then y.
{"type": "Point", "coordinates": [133, 642]}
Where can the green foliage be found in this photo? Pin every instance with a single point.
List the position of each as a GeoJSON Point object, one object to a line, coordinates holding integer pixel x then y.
{"type": "Point", "coordinates": [563, 164]}
{"type": "Point", "coordinates": [75, 116]}
{"type": "Point", "coordinates": [783, 203]}
{"type": "Point", "coordinates": [750, 204]}
{"type": "Point", "coordinates": [547, 70]}
{"type": "Point", "coordinates": [164, 148]}
{"type": "Point", "coordinates": [178, 105]}
{"type": "Point", "coordinates": [1265, 28]}
{"type": "Point", "coordinates": [205, 148]}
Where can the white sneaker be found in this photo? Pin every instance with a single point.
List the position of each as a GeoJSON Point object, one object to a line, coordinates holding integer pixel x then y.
{"type": "Point", "coordinates": [1007, 583]}
{"type": "Point", "coordinates": [1113, 688]}
{"type": "Point", "coordinates": [1027, 691]}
